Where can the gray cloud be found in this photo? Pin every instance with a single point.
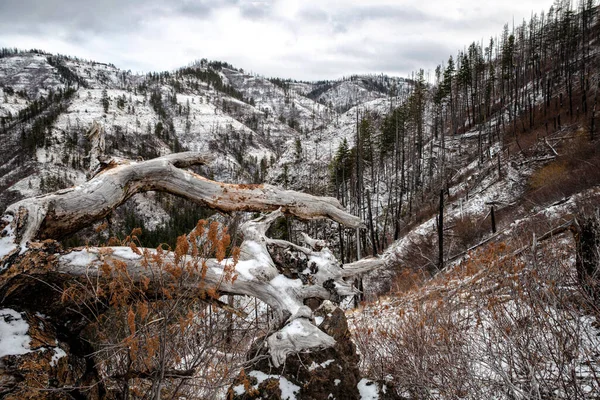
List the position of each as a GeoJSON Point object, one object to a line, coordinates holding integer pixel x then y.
{"type": "Point", "coordinates": [202, 9]}
{"type": "Point", "coordinates": [390, 59]}
{"type": "Point", "coordinates": [53, 16]}
{"type": "Point", "coordinates": [353, 17]}
{"type": "Point", "coordinates": [305, 39]}
{"type": "Point", "coordinates": [313, 15]}
{"type": "Point", "coordinates": [413, 58]}
{"type": "Point", "coordinates": [102, 16]}
{"type": "Point", "coordinates": [256, 10]}
{"type": "Point", "coordinates": [399, 14]}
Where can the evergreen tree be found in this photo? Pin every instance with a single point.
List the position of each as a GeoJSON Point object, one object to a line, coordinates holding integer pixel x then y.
{"type": "Point", "coordinates": [104, 100]}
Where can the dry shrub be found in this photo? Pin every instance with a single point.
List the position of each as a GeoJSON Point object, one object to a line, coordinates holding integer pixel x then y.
{"type": "Point", "coordinates": [577, 169]}
{"type": "Point", "coordinates": [420, 255]}
{"type": "Point", "coordinates": [407, 280]}
{"type": "Point", "coordinates": [466, 232]}
{"type": "Point", "coordinates": [543, 176]}
{"type": "Point", "coordinates": [495, 326]}
{"type": "Point", "coordinates": [152, 336]}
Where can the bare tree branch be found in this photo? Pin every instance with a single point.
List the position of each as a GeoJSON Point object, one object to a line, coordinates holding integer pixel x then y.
{"type": "Point", "coordinates": [58, 214]}
{"type": "Point", "coordinates": [64, 212]}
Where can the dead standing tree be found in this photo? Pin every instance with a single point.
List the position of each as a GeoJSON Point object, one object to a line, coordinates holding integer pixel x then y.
{"type": "Point", "coordinates": [32, 262]}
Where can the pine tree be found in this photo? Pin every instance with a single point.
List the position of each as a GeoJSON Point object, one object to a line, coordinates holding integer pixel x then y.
{"type": "Point", "coordinates": [104, 100]}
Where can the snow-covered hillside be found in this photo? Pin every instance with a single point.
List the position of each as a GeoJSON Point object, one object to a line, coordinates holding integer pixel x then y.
{"type": "Point", "coordinates": [249, 125]}
{"type": "Point", "coordinates": [469, 269]}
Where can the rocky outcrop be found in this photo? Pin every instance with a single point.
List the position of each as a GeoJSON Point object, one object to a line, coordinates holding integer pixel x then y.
{"type": "Point", "coordinates": [330, 373]}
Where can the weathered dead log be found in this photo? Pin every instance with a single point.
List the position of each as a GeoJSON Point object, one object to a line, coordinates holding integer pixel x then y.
{"type": "Point", "coordinates": [256, 275]}
{"type": "Point", "coordinates": [64, 212]}
{"type": "Point", "coordinates": [27, 256]}
{"type": "Point", "coordinates": [363, 266]}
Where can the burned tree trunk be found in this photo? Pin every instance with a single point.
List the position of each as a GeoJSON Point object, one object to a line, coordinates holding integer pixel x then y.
{"type": "Point", "coordinates": [440, 232]}
{"type": "Point", "coordinates": [586, 231]}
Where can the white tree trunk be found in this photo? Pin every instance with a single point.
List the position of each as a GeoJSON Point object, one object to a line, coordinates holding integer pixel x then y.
{"type": "Point", "coordinates": [66, 211]}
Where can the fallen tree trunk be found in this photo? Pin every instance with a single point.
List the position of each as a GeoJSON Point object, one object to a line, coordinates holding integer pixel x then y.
{"type": "Point", "coordinates": [64, 212]}
{"type": "Point", "coordinates": [255, 271]}
{"type": "Point", "coordinates": [31, 260]}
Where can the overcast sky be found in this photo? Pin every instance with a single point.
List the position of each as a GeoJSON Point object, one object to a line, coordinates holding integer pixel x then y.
{"type": "Point", "coordinates": [300, 39]}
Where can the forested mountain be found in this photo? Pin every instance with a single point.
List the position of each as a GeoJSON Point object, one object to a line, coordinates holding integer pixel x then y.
{"type": "Point", "coordinates": [252, 126]}
{"type": "Point", "coordinates": [477, 184]}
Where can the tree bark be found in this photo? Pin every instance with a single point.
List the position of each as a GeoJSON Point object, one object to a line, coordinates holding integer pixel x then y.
{"type": "Point", "coordinates": [29, 223]}
{"type": "Point", "coordinates": [586, 231]}
{"type": "Point", "coordinates": [441, 231]}
{"type": "Point", "coordinates": [64, 212]}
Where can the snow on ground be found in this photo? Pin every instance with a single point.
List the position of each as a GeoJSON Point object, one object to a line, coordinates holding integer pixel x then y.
{"type": "Point", "coordinates": [302, 88]}
{"type": "Point", "coordinates": [319, 146]}
{"type": "Point", "coordinates": [368, 390]}
{"type": "Point", "coordinates": [30, 73]}
{"type": "Point", "coordinates": [58, 354]}
{"type": "Point", "coordinates": [269, 96]}
{"type": "Point", "coordinates": [98, 75]}
{"type": "Point", "coordinates": [13, 333]}
{"type": "Point", "coordinates": [480, 188]}
{"type": "Point", "coordinates": [487, 309]}
{"type": "Point", "coordinates": [288, 389]}
{"type": "Point", "coordinates": [11, 104]}
{"type": "Point", "coordinates": [345, 94]}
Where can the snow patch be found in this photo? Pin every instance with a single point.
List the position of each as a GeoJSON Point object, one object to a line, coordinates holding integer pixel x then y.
{"type": "Point", "coordinates": [81, 258]}
{"type": "Point", "coordinates": [259, 253]}
{"type": "Point", "coordinates": [295, 328]}
{"type": "Point", "coordinates": [282, 283]}
{"type": "Point", "coordinates": [244, 267]}
{"type": "Point", "coordinates": [125, 252]}
{"type": "Point", "coordinates": [325, 364]}
{"type": "Point", "coordinates": [7, 244]}
{"type": "Point", "coordinates": [58, 354]}
{"type": "Point", "coordinates": [368, 390]}
{"type": "Point", "coordinates": [239, 390]}
{"type": "Point", "coordinates": [288, 389]}
{"type": "Point", "coordinates": [14, 339]}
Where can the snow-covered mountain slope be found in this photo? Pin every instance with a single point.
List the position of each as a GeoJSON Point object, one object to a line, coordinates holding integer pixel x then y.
{"type": "Point", "coordinates": [25, 75]}
{"type": "Point", "coordinates": [284, 103]}
{"type": "Point", "coordinates": [315, 149]}
{"type": "Point", "coordinates": [250, 125]}
{"type": "Point", "coordinates": [343, 94]}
